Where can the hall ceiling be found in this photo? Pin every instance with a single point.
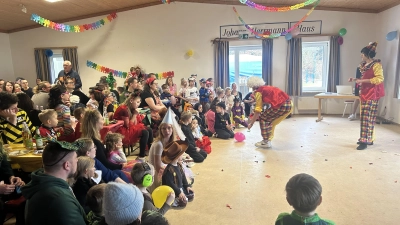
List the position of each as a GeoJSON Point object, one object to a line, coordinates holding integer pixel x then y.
{"type": "Point", "coordinates": [12, 19]}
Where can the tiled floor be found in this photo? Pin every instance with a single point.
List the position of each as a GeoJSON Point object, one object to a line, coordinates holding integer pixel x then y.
{"type": "Point", "coordinates": [359, 187]}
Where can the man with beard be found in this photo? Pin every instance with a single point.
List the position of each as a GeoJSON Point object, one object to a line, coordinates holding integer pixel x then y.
{"type": "Point", "coordinates": [50, 199]}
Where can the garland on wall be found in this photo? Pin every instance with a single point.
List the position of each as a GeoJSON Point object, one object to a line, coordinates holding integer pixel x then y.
{"type": "Point", "coordinates": [275, 35]}
{"type": "Point", "coordinates": [117, 73]}
{"type": "Point", "coordinates": [277, 9]}
{"type": "Point", "coordinates": [72, 28]}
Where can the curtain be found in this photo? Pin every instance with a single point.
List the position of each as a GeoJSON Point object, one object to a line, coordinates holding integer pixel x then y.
{"type": "Point", "coordinates": [42, 65]}
{"type": "Point", "coordinates": [334, 64]}
{"type": "Point", "coordinates": [397, 75]}
{"type": "Point", "coordinates": [294, 67]}
{"type": "Point", "coordinates": [267, 49]}
{"type": "Point", "coordinates": [71, 54]}
{"type": "Point", "coordinates": [221, 63]}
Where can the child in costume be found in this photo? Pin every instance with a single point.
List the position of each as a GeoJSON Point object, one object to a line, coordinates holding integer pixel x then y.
{"type": "Point", "coordinates": [203, 142]}
{"type": "Point", "coordinates": [280, 108]}
{"type": "Point", "coordinates": [49, 128]}
{"type": "Point", "coordinates": [238, 114]}
{"type": "Point", "coordinates": [204, 94]}
{"type": "Point", "coordinates": [303, 192]}
{"type": "Point", "coordinates": [201, 118]}
{"type": "Point", "coordinates": [196, 153]}
{"type": "Point", "coordinates": [174, 175]}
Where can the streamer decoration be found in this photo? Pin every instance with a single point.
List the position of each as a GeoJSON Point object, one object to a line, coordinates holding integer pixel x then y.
{"type": "Point", "coordinates": [117, 73]}
{"type": "Point", "coordinates": [165, 1]}
{"type": "Point", "coordinates": [72, 28]}
{"type": "Point", "coordinates": [275, 35]}
{"type": "Point", "coordinates": [277, 9]}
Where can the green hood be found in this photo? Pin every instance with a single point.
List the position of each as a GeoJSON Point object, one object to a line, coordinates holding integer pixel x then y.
{"type": "Point", "coordinates": [41, 181]}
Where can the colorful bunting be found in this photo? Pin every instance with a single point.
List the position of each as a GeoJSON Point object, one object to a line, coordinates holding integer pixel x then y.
{"type": "Point", "coordinates": [277, 9]}
{"type": "Point", "coordinates": [72, 28]}
{"type": "Point", "coordinates": [266, 35]}
{"type": "Point", "coordinates": [117, 73]}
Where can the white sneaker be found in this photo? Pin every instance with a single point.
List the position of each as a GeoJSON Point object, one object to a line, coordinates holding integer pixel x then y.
{"type": "Point", "coordinates": [263, 144]}
{"type": "Point", "coordinates": [351, 117]}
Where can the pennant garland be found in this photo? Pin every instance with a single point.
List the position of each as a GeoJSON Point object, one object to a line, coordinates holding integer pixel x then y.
{"type": "Point", "coordinates": [277, 9]}
{"type": "Point", "coordinates": [72, 28]}
{"type": "Point", "coordinates": [276, 34]}
{"type": "Point", "coordinates": [117, 73]}
{"type": "Point", "coordinates": [165, 1]}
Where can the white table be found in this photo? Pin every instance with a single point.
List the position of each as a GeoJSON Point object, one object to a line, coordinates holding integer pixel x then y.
{"type": "Point", "coordinates": [330, 95]}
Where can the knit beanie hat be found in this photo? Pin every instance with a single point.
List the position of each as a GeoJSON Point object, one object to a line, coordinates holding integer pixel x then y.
{"type": "Point", "coordinates": [122, 203]}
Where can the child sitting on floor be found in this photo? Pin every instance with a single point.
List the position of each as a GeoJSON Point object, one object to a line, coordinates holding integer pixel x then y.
{"type": "Point", "coordinates": [238, 114]}
{"type": "Point", "coordinates": [196, 153]}
{"type": "Point", "coordinates": [174, 175]}
{"type": "Point", "coordinates": [114, 151]}
{"type": "Point", "coordinates": [203, 142]}
{"type": "Point", "coordinates": [222, 125]}
{"type": "Point", "coordinates": [201, 118]}
{"type": "Point", "coordinates": [49, 120]}
{"type": "Point", "coordinates": [142, 175]}
{"type": "Point", "coordinates": [85, 171]}
{"type": "Point", "coordinates": [94, 200]}
{"type": "Point", "coordinates": [303, 192]}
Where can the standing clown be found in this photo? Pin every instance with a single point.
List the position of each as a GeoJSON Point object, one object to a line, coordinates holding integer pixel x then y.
{"type": "Point", "coordinates": [371, 91]}
{"type": "Point", "coordinates": [280, 108]}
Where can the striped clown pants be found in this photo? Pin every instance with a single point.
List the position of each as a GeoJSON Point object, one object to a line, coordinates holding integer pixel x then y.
{"type": "Point", "coordinates": [369, 109]}
{"type": "Point", "coordinates": [272, 117]}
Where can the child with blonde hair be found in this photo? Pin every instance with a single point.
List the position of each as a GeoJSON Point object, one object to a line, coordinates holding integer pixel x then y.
{"type": "Point", "coordinates": [203, 142]}
{"type": "Point", "coordinates": [49, 128]}
{"type": "Point", "coordinates": [85, 171]}
{"type": "Point", "coordinates": [114, 151]}
{"type": "Point", "coordinates": [229, 100]}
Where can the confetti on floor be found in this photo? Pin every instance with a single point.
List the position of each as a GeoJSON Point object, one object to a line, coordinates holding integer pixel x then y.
{"type": "Point", "coordinates": [222, 170]}
{"type": "Point", "coordinates": [371, 163]}
{"type": "Point", "coordinates": [267, 176]}
{"type": "Point", "coordinates": [227, 205]}
{"type": "Point", "coordinates": [326, 159]}
{"type": "Point", "coordinates": [351, 167]}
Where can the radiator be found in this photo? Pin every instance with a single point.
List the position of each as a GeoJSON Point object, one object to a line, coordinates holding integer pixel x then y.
{"type": "Point", "coordinates": [307, 103]}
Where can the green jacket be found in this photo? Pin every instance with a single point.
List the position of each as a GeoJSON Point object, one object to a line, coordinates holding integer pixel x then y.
{"type": "Point", "coordinates": [50, 201]}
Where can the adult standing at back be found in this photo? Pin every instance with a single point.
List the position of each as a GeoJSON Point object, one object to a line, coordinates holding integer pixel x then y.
{"type": "Point", "coordinates": [41, 96]}
{"type": "Point", "coordinates": [69, 72]}
{"type": "Point", "coordinates": [25, 88]}
{"type": "Point", "coordinates": [50, 199]}
{"type": "Point", "coordinates": [372, 90]}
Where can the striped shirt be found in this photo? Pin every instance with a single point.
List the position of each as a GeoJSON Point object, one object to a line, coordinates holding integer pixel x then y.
{"type": "Point", "coordinates": [13, 134]}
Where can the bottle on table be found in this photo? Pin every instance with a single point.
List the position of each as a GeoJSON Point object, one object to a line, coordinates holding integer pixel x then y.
{"type": "Point", "coordinates": [27, 137]}
{"type": "Point", "coordinates": [105, 116]}
{"type": "Point", "coordinates": [38, 140]}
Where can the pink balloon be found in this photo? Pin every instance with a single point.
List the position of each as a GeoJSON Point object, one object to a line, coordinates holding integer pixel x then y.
{"type": "Point", "coordinates": [295, 31]}
{"type": "Point", "coordinates": [239, 137]}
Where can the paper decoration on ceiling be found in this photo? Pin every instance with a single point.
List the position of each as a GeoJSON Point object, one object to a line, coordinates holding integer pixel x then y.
{"type": "Point", "coordinates": [117, 73]}
{"type": "Point", "coordinates": [275, 35]}
{"type": "Point", "coordinates": [277, 9]}
{"type": "Point", "coordinates": [72, 28]}
{"type": "Point", "coordinates": [165, 1]}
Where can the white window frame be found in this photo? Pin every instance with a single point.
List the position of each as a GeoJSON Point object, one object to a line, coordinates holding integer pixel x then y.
{"type": "Point", "coordinates": [53, 73]}
{"type": "Point", "coordinates": [237, 49]}
{"type": "Point", "coordinates": [325, 69]}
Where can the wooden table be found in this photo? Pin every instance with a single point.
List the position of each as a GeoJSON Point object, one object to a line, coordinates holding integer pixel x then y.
{"type": "Point", "coordinates": [327, 96]}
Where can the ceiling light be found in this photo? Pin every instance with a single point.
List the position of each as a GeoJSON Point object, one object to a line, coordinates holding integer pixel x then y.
{"type": "Point", "coordinates": [53, 0]}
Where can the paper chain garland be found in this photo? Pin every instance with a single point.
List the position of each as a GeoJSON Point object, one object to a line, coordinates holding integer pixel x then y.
{"type": "Point", "coordinates": [72, 28]}
{"type": "Point", "coordinates": [277, 9]}
{"type": "Point", "coordinates": [117, 73]}
{"type": "Point", "coordinates": [276, 34]}
{"type": "Point", "coordinates": [165, 1]}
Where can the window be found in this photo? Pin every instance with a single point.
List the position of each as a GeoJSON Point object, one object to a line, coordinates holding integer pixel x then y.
{"type": "Point", "coordinates": [244, 62]}
{"type": "Point", "coordinates": [315, 61]}
{"type": "Point", "coordinates": [56, 65]}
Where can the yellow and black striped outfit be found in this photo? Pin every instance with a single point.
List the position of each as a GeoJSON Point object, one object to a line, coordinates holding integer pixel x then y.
{"type": "Point", "coordinates": [11, 133]}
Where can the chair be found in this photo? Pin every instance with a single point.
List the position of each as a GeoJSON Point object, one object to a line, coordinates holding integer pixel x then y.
{"type": "Point", "coordinates": [130, 149]}
{"type": "Point", "coordinates": [348, 102]}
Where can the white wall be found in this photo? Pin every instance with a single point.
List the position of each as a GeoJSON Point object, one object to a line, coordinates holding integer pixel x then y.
{"type": "Point", "coordinates": [388, 21]}
{"type": "Point", "coordinates": [158, 37]}
{"type": "Point", "coordinates": [6, 63]}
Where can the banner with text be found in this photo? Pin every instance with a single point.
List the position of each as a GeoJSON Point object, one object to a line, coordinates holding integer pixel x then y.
{"type": "Point", "coordinates": [309, 27]}
{"type": "Point", "coordinates": [234, 31]}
